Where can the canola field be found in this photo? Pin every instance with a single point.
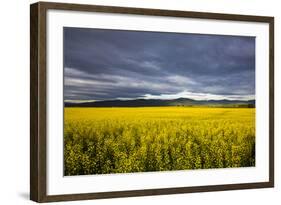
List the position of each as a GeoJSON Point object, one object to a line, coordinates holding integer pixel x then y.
{"type": "Point", "coordinates": [145, 139]}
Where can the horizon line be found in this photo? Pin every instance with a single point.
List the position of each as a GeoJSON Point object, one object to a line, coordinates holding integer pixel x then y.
{"type": "Point", "coordinates": [131, 99]}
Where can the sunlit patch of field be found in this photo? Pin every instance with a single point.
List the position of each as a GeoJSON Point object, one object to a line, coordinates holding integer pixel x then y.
{"type": "Point", "coordinates": [122, 140]}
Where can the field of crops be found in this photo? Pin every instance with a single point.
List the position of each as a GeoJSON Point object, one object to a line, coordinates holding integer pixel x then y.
{"type": "Point", "coordinates": [122, 140]}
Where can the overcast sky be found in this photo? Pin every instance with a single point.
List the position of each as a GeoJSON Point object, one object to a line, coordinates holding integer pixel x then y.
{"type": "Point", "coordinates": [113, 64]}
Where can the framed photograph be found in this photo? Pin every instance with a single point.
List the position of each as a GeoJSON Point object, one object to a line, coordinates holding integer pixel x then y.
{"type": "Point", "coordinates": [135, 102]}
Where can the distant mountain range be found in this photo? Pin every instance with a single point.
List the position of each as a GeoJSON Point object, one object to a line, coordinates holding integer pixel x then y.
{"type": "Point", "coordinates": [156, 102]}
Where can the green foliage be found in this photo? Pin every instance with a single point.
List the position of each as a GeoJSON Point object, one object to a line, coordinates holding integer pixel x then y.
{"type": "Point", "coordinates": [124, 140]}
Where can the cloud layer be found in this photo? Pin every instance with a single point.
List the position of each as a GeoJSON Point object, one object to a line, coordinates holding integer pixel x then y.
{"type": "Point", "coordinates": [112, 64]}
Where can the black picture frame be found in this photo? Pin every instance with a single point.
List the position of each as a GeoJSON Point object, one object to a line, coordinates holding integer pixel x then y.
{"type": "Point", "coordinates": [38, 102]}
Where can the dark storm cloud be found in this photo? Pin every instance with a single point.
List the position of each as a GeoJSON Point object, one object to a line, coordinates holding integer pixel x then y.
{"type": "Point", "coordinates": [108, 64]}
